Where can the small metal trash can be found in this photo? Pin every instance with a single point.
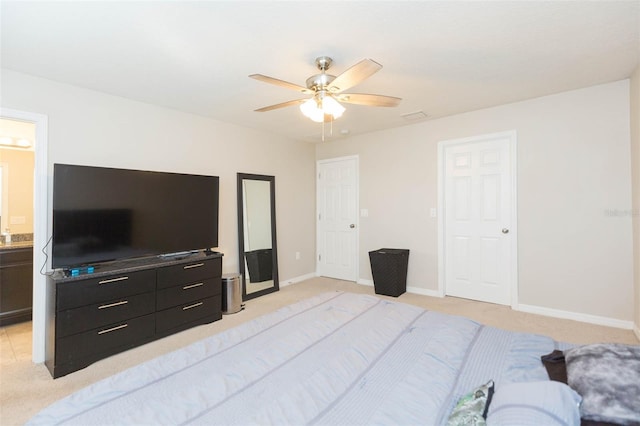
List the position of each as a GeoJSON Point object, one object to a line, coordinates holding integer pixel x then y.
{"type": "Point", "coordinates": [231, 293]}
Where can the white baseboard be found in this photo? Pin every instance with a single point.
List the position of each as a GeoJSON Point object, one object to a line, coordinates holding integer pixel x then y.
{"type": "Point", "coordinates": [636, 330]}
{"type": "Point", "coordinates": [365, 282]}
{"type": "Point", "coordinates": [591, 319]}
{"type": "Point", "coordinates": [410, 289]}
{"type": "Point", "coordinates": [301, 278]}
{"type": "Point", "coordinates": [423, 291]}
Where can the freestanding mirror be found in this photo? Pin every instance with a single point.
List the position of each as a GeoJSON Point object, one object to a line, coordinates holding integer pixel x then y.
{"type": "Point", "coordinates": [257, 235]}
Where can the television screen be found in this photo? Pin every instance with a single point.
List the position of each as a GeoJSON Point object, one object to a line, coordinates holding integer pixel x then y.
{"type": "Point", "coordinates": [103, 214]}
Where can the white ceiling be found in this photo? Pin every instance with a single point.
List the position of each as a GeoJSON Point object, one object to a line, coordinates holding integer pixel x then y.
{"type": "Point", "coordinates": [441, 57]}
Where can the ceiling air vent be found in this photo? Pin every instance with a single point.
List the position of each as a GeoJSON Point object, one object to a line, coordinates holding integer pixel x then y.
{"type": "Point", "coordinates": [414, 116]}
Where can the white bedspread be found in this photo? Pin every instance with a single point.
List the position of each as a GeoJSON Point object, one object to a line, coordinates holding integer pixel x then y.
{"type": "Point", "coordinates": [337, 358]}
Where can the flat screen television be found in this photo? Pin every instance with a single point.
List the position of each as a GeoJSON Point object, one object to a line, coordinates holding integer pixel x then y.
{"type": "Point", "coordinates": [105, 214]}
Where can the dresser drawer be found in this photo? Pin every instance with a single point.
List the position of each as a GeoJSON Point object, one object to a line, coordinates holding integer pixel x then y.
{"type": "Point", "coordinates": [76, 320]}
{"type": "Point", "coordinates": [182, 294]}
{"type": "Point", "coordinates": [109, 339]}
{"type": "Point", "coordinates": [189, 273]}
{"type": "Point", "coordinates": [176, 316]}
{"type": "Point", "coordinates": [96, 290]}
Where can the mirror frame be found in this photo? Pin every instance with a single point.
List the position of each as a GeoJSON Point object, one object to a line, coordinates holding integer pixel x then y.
{"type": "Point", "coordinates": [241, 257]}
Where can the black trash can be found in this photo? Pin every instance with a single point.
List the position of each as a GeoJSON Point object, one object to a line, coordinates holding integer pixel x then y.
{"type": "Point", "coordinates": [389, 270]}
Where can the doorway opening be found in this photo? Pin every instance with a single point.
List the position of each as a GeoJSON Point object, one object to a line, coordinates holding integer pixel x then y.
{"type": "Point", "coordinates": [40, 224]}
{"type": "Point", "coordinates": [16, 238]}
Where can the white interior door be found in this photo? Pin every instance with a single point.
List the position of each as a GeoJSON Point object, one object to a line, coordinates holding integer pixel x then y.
{"type": "Point", "coordinates": [337, 201]}
{"type": "Point", "coordinates": [479, 218]}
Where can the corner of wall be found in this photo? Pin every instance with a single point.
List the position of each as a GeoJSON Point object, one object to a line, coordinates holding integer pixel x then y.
{"type": "Point", "coordinates": [635, 189]}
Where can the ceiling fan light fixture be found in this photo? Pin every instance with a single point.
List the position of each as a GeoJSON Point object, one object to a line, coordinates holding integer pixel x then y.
{"type": "Point", "coordinates": [332, 107]}
{"type": "Point", "coordinates": [317, 108]}
{"type": "Point", "coordinates": [311, 110]}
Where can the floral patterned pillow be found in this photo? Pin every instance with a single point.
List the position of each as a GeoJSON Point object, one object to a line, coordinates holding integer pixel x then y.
{"type": "Point", "coordinates": [471, 409]}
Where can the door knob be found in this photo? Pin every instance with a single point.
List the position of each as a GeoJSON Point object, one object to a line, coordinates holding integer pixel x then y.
{"type": "Point", "coordinates": [505, 230]}
{"type": "Point", "coordinates": [353, 225]}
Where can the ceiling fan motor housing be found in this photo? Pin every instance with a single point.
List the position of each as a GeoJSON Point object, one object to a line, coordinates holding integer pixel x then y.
{"type": "Point", "coordinates": [320, 81]}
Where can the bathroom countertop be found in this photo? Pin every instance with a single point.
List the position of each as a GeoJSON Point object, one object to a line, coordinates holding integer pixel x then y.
{"type": "Point", "coordinates": [16, 245]}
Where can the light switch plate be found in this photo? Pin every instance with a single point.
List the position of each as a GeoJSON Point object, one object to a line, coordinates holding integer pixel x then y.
{"type": "Point", "coordinates": [17, 220]}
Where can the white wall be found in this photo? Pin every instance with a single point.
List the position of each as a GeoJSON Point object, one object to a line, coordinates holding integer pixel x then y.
{"type": "Point", "coordinates": [635, 170]}
{"type": "Point", "coordinates": [575, 251]}
{"type": "Point", "coordinates": [88, 127]}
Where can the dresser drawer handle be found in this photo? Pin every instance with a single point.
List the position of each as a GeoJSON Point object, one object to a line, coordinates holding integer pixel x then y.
{"type": "Point", "coordinates": [113, 280]}
{"type": "Point", "coordinates": [111, 305]}
{"type": "Point", "coordinates": [195, 265]}
{"type": "Point", "coordinates": [109, 330]}
{"type": "Point", "coordinates": [195, 305]}
{"type": "Point", "coordinates": [187, 287]}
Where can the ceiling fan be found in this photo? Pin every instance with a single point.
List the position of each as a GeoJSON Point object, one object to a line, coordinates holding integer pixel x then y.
{"type": "Point", "coordinates": [328, 91]}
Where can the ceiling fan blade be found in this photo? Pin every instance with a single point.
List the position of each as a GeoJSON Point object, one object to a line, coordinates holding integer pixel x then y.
{"type": "Point", "coordinates": [281, 83]}
{"type": "Point", "coordinates": [280, 105]}
{"type": "Point", "coordinates": [368, 99]}
{"type": "Point", "coordinates": [354, 75]}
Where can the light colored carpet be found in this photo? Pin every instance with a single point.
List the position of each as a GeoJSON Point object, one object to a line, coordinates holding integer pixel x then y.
{"type": "Point", "coordinates": [26, 388]}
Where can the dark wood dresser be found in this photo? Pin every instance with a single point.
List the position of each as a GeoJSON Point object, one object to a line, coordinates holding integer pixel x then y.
{"type": "Point", "coordinates": [124, 305]}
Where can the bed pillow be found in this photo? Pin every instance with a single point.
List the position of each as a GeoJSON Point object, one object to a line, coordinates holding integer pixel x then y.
{"type": "Point", "coordinates": [471, 409]}
{"type": "Point", "coordinates": [607, 376]}
{"type": "Point", "coordinates": [534, 403]}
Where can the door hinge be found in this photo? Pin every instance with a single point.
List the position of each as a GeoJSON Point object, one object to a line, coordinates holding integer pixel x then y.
{"type": "Point", "coordinates": [319, 258]}
{"type": "Point", "coordinates": [319, 216]}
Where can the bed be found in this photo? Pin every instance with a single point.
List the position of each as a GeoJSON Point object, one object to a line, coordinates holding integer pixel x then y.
{"type": "Point", "coordinates": [336, 358]}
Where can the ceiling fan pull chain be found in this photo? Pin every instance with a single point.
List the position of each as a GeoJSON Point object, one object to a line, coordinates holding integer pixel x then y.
{"type": "Point", "coordinates": [331, 127]}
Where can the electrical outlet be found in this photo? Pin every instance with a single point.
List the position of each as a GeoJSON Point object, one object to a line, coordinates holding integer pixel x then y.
{"type": "Point", "coordinates": [433, 212]}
